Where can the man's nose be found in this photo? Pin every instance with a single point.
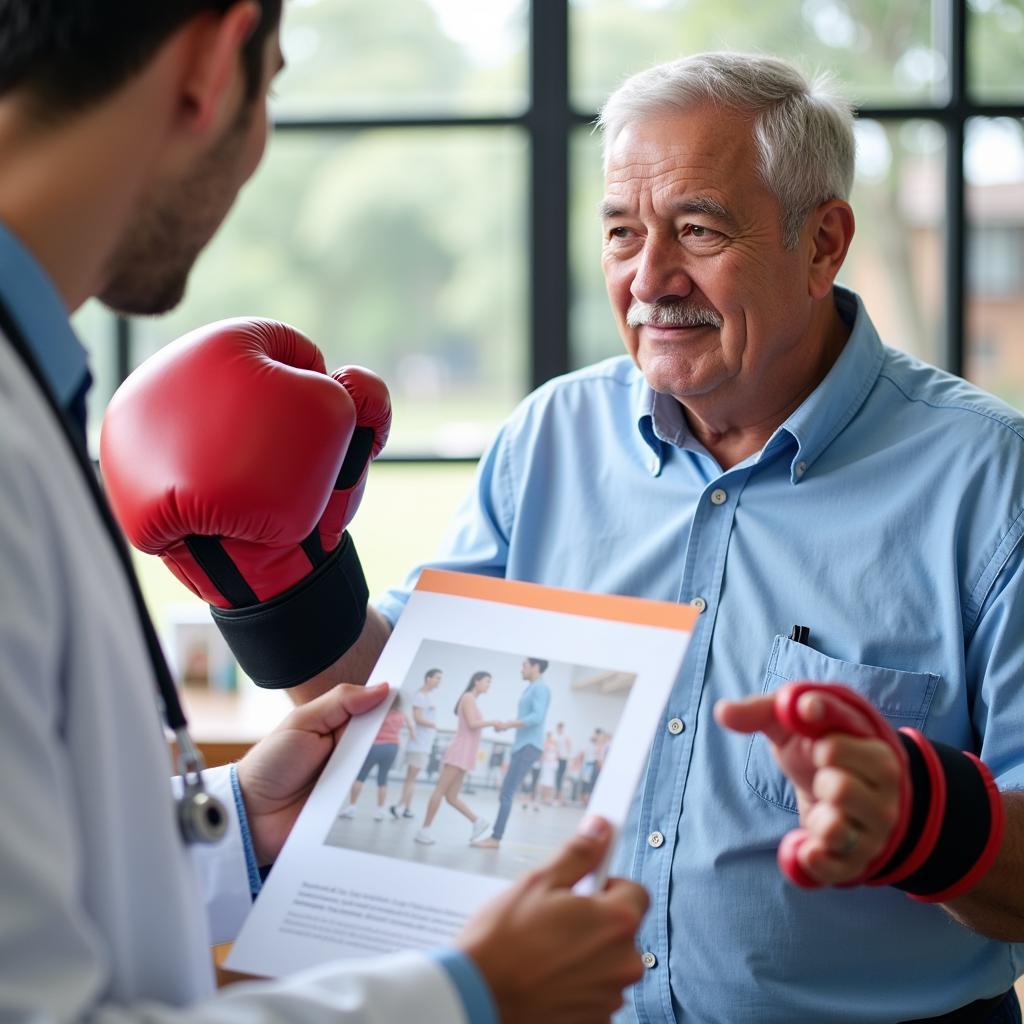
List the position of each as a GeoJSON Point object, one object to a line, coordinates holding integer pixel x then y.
{"type": "Point", "coordinates": [660, 273]}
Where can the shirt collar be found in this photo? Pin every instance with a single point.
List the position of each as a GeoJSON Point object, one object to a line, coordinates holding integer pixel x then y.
{"type": "Point", "coordinates": [35, 305]}
{"type": "Point", "coordinates": [813, 425]}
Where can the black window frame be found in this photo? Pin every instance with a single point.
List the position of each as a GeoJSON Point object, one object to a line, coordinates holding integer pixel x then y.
{"type": "Point", "coordinates": [548, 122]}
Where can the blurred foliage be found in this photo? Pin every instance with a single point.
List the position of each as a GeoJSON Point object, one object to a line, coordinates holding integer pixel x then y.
{"type": "Point", "coordinates": [996, 50]}
{"type": "Point", "coordinates": [405, 249]}
{"type": "Point", "coordinates": [881, 50]}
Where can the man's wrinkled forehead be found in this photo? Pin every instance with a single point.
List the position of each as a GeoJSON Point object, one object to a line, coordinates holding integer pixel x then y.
{"type": "Point", "coordinates": [694, 164]}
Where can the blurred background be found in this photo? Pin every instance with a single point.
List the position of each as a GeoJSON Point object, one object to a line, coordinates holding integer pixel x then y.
{"type": "Point", "coordinates": [427, 206]}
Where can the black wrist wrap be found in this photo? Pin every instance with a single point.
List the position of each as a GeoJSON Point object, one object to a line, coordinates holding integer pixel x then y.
{"type": "Point", "coordinates": [955, 826]}
{"type": "Point", "coordinates": [292, 637]}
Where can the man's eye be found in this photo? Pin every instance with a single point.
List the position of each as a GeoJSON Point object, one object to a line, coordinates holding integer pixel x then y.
{"type": "Point", "coordinates": [699, 231]}
{"type": "Point", "coordinates": [618, 232]}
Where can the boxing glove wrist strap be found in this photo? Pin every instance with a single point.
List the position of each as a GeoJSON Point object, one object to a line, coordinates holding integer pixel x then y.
{"type": "Point", "coordinates": [293, 636]}
{"type": "Point", "coordinates": [955, 824]}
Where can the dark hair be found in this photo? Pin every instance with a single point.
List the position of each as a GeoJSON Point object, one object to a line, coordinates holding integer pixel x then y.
{"type": "Point", "coordinates": [471, 685]}
{"type": "Point", "coordinates": [70, 53]}
{"type": "Point", "coordinates": [431, 672]}
{"type": "Point", "coordinates": [540, 663]}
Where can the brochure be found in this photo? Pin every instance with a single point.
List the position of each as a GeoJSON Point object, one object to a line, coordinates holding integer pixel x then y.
{"type": "Point", "coordinates": [491, 680]}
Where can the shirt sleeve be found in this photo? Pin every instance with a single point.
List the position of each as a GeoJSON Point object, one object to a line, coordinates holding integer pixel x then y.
{"type": "Point", "coordinates": [227, 871]}
{"type": "Point", "coordinates": [466, 977]}
{"type": "Point", "coordinates": [995, 668]}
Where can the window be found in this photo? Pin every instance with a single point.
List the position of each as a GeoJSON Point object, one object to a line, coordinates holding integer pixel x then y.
{"type": "Point", "coordinates": [427, 207]}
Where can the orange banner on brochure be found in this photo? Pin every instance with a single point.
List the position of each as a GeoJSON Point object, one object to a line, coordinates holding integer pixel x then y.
{"type": "Point", "coordinates": [637, 610]}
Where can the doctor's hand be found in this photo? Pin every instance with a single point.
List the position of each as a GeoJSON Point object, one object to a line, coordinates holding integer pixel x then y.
{"type": "Point", "coordinates": [279, 772]}
{"type": "Point", "coordinates": [847, 787]}
{"type": "Point", "coordinates": [550, 955]}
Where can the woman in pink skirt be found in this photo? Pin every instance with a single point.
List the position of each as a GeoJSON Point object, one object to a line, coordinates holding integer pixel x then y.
{"type": "Point", "coordinates": [459, 758]}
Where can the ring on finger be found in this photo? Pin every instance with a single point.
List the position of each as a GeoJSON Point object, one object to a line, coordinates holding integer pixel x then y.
{"type": "Point", "coordinates": [849, 844]}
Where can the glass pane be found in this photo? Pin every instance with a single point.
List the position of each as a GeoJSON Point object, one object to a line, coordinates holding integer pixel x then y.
{"type": "Point", "coordinates": [881, 52]}
{"type": "Point", "coordinates": [402, 251]}
{"type": "Point", "coordinates": [353, 58]}
{"type": "Point", "coordinates": [592, 330]}
{"type": "Point", "coordinates": [95, 326]}
{"type": "Point", "coordinates": [996, 50]}
{"type": "Point", "coordinates": [994, 165]}
{"type": "Point", "coordinates": [895, 262]}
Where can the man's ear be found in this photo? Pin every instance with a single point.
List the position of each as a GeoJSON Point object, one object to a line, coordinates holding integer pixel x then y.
{"type": "Point", "coordinates": [832, 226]}
{"type": "Point", "coordinates": [211, 48]}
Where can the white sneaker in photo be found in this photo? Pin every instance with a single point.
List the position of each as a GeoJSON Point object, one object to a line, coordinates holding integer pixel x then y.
{"type": "Point", "coordinates": [424, 837]}
{"type": "Point", "coordinates": [480, 826]}
{"type": "Point", "coordinates": [348, 811]}
{"type": "Point", "coordinates": [378, 815]}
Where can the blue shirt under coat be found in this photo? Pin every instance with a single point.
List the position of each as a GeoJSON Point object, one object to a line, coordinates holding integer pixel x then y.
{"type": "Point", "coordinates": [886, 515]}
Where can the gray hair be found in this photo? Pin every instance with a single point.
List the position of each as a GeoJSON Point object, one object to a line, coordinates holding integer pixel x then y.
{"type": "Point", "coordinates": [803, 131]}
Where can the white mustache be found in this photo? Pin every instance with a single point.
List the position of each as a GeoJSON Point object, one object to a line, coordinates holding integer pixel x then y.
{"type": "Point", "coordinates": [671, 314]}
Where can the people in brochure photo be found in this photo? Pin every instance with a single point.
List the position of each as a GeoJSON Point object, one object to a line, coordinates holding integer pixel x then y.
{"type": "Point", "coordinates": [421, 740]}
{"type": "Point", "coordinates": [477, 758]}
{"type": "Point", "coordinates": [528, 745]}
{"type": "Point", "coordinates": [461, 758]}
{"type": "Point", "coordinates": [381, 756]}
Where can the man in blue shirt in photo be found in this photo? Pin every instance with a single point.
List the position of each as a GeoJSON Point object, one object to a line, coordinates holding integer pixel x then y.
{"type": "Point", "coordinates": [527, 747]}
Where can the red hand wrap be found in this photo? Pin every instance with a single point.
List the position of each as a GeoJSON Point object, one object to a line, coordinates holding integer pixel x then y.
{"type": "Point", "coordinates": [951, 822]}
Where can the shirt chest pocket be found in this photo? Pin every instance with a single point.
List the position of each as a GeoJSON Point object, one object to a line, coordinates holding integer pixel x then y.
{"type": "Point", "coordinates": [902, 697]}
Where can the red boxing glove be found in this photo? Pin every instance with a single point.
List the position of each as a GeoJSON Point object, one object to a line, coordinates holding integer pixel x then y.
{"type": "Point", "coordinates": [236, 458]}
{"type": "Point", "coordinates": [951, 820]}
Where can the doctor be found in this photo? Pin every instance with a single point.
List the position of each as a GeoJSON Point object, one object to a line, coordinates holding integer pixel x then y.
{"type": "Point", "coordinates": [126, 130]}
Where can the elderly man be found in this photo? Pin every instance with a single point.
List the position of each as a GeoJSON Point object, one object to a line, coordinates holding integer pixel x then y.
{"type": "Point", "coordinates": [837, 512]}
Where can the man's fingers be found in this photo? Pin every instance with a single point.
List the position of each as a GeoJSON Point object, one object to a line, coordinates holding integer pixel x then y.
{"type": "Point", "coordinates": [578, 857]}
{"type": "Point", "coordinates": [823, 713]}
{"type": "Point", "coordinates": [872, 761]}
{"type": "Point", "coordinates": [331, 710]}
{"type": "Point", "coordinates": [755, 714]}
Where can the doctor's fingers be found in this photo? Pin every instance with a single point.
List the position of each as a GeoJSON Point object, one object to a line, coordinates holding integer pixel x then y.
{"type": "Point", "coordinates": [331, 710]}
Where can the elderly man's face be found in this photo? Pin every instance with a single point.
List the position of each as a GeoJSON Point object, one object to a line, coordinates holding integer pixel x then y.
{"type": "Point", "coordinates": [705, 294]}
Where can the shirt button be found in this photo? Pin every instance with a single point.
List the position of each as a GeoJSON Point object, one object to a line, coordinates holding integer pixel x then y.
{"type": "Point", "coordinates": [719, 497]}
{"type": "Point", "coordinates": [676, 726]}
{"type": "Point", "coordinates": [801, 468]}
{"type": "Point", "coordinates": [699, 603]}
{"type": "Point", "coordinates": [649, 960]}
{"type": "Point", "coordinates": [655, 839]}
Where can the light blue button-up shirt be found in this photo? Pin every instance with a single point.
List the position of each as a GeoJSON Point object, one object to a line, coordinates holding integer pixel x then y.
{"type": "Point", "coordinates": [532, 710]}
{"type": "Point", "coordinates": [885, 515]}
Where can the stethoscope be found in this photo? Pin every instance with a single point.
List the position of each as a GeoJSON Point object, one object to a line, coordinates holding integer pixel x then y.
{"type": "Point", "coordinates": [201, 817]}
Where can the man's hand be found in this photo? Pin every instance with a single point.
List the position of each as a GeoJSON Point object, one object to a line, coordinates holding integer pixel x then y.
{"type": "Point", "coordinates": [848, 788]}
{"type": "Point", "coordinates": [550, 955]}
{"type": "Point", "coordinates": [279, 772]}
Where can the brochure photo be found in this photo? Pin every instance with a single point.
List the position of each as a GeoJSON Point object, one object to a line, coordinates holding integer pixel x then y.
{"type": "Point", "coordinates": [515, 711]}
